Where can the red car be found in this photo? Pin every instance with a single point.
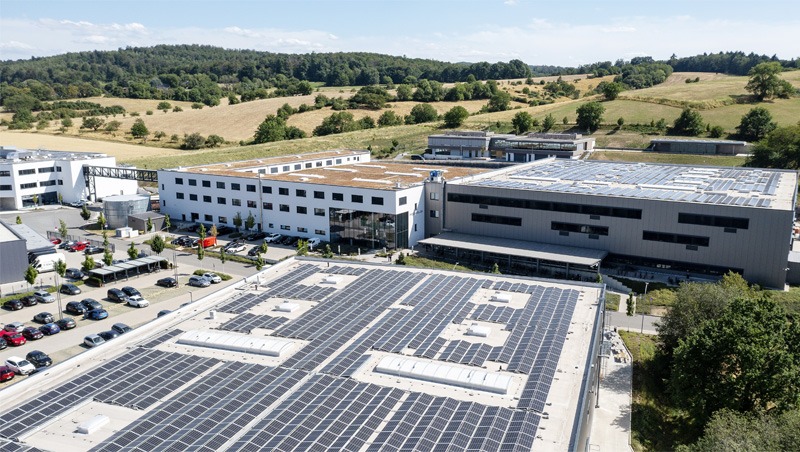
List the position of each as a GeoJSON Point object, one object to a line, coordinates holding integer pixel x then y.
{"type": "Point", "coordinates": [31, 333]}
{"type": "Point", "coordinates": [15, 339]}
{"type": "Point", "coordinates": [80, 246]}
{"type": "Point", "coordinates": [55, 241]}
{"type": "Point", "coordinates": [6, 374]}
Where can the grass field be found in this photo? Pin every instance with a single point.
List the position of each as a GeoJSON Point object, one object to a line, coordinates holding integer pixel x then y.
{"type": "Point", "coordinates": [678, 159]}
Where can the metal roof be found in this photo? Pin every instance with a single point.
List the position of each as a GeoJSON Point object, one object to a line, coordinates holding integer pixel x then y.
{"type": "Point", "coordinates": [33, 240]}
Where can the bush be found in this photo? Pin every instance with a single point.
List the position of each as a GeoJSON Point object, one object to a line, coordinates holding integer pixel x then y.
{"type": "Point", "coordinates": [224, 276]}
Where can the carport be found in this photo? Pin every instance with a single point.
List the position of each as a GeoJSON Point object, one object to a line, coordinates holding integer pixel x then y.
{"type": "Point", "coordinates": [125, 270]}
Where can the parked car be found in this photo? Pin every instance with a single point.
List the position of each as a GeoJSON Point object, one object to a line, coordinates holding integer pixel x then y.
{"type": "Point", "coordinates": [91, 303]}
{"type": "Point", "coordinates": [13, 305]}
{"type": "Point", "coordinates": [254, 251]}
{"type": "Point", "coordinates": [235, 246]}
{"type": "Point", "coordinates": [29, 300]}
{"type": "Point", "coordinates": [183, 240]}
{"type": "Point", "coordinates": [93, 340]}
{"type": "Point", "coordinates": [42, 296]}
{"type": "Point", "coordinates": [55, 241]}
{"type": "Point", "coordinates": [19, 365]}
{"type": "Point", "coordinates": [43, 317]}
{"type": "Point", "coordinates": [14, 327]}
{"type": "Point", "coordinates": [67, 323]}
{"type": "Point", "coordinates": [117, 295]}
{"type": "Point", "coordinates": [213, 277]}
{"type": "Point", "coordinates": [50, 329]}
{"type": "Point", "coordinates": [287, 240]}
{"type": "Point", "coordinates": [272, 237]}
{"type": "Point", "coordinates": [32, 333]}
{"type": "Point", "coordinates": [167, 282]}
{"type": "Point", "coordinates": [313, 242]}
{"type": "Point", "coordinates": [93, 250]}
{"type": "Point", "coordinates": [257, 236]}
{"type": "Point", "coordinates": [74, 273]}
{"type": "Point", "coordinates": [131, 291]}
{"type": "Point", "coordinates": [3, 343]}
{"type": "Point", "coordinates": [199, 281]}
{"type": "Point", "coordinates": [69, 289]}
{"type": "Point", "coordinates": [15, 339]}
{"type": "Point", "coordinates": [39, 359]}
{"type": "Point", "coordinates": [66, 245]}
{"type": "Point", "coordinates": [79, 246]}
{"type": "Point", "coordinates": [108, 335]}
{"type": "Point", "coordinates": [75, 307]}
{"type": "Point", "coordinates": [121, 328]}
{"type": "Point", "coordinates": [6, 374]}
{"type": "Point", "coordinates": [163, 312]}
{"type": "Point", "coordinates": [96, 314]}
{"type": "Point", "coordinates": [138, 302]}
{"type": "Point", "coordinates": [224, 229]}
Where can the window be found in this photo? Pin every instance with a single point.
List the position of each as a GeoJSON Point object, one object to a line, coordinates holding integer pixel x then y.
{"type": "Point", "coordinates": [319, 232]}
{"type": "Point", "coordinates": [5, 173]}
{"type": "Point", "coordinates": [179, 181]}
{"type": "Point", "coordinates": [195, 216]}
{"type": "Point", "coordinates": [251, 204]}
{"type": "Point", "coordinates": [318, 164]}
{"type": "Point", "coordinates": [357, 198]}
{"type": "Point", "coordinates": [47, 183]}
{"type": "Point", "coordinates": [235, 186]}
{"type": "Point", "coordinates": [302, 209]}
{"type": "Point", "coordinates": [221, 200]}
{"type": "Point", "coordinates": [319, 195]}
{"type": "Point", "coordinates": [49, 169]}
{"type": "Point", "coordinates": [403, 200]}
{"type": "Point", "coordinates": [273, 170]}
{"type": "Point", "coordinates": [532, 204]}
{"type": "Point", "coordinates": [283, 207]}
{"type": "Point", "coordinates": [434, 196]}
{"type": "Point", "coordinates": [23, 172]}
{"type": "Point", "coordinates": [58, 168]}
{"type": "Point", "coordinates": [579, 228]}
{"type": "Point", "coordinates": [193, 182]}
{"type": "Point", "coordinates": [377, 200]}
{"type": "Point", "coordinates": [300, 193]}
{"type": "Point", "coordinates": [299, 229]}
{"type": "Point", "coordinates": [308, 165]}
{"type": "Point", "coordinates": [223, 220]}
{"type": "Point", "coordinates": [711, 220]}
{"type": "Point", "coordinates": [206, 198]}
{"type": "Point", "coordinates": [271, 225]}
{"type": "Point", "coordinates": [236, 202]}
{"type": "Point", "coordinates": [5, 187]}
{"type": "Point", "coordinates": [267, 205]}
{"type": "Point", "coordinates": [28, 185]}
{"type": "Point", "coordinates": [208, 217]}
{"type": "Point", "coordinates": [319, 212]}
{"type": "Point", "coordinates": [251, 188]}
{"type": "Point", "coordinates": [221, 185]}
{"type": "Point", "coordinates": [267, 190]}
{"type": "Point", "coordinates": [60, 182]}
{"type": "Point", "coordinates": [328, 162]}
{"type": "Point", "coordinates": [283, 191]}
{"type": "Point", "coordinates": [496, 219]}
{"type": "Point", "coordinates": [192, 197]}
{"type": "Point", "coordinates": [668, 237]}
{"type": "Point", "coordinates": [298, 166]}
{"type": "Point", "coordinates": [434, 214]}
{"type": "Point", "coordinates": [179, 195]}
{"type": "Point", "coordinates": [286, 168]}
{"type": "Point", "coordinates": [338, 197]}
{"type": "Point", "coordinates": [207, 183]}
{"type": "Point", "coordinates": [286, 227]}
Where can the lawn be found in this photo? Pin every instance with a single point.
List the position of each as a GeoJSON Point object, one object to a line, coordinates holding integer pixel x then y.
{"type": "Point", "coordinates": [678, 159]}
{"type": "Point", "coordinates": [612, 302]}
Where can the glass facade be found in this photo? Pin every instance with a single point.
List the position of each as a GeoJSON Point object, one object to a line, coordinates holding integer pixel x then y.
{"type": "Point", "coordinates": [369, 229]}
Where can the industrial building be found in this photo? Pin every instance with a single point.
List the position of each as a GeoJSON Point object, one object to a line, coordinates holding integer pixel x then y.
{"type": "Point", "coordinates": [686, 146]}
{"type": "Point", "coordinates": [460, 144]}
{"type": "Point", "coordinates": [14, 254]}
{"type": "Point", "coordinates": [327, 355]}
{"type": "Point", "coordinates": [41, 175]}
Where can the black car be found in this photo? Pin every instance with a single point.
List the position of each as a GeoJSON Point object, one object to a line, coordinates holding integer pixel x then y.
{"type": "Point", "coordinates": [131, 291]}
{"type": "Point", "coordinates": [66, 245]}
{"type": "Point", "coordinates": [91, 303]}
{"type": "Point", "coordinates": [66, 323]}
{"type": "Point", "coordinates": [73, 273]}
{"type": "Point", "coordinates": [93, 250]}
{"type": "Point", "coordinates": [254, 251]}
{"type": "Point", "coordinates": [163, 312]}
{"type": "Point", "coordinates": [257, 236]}
{"type": "Point", "coordinates": [108, 335]}
{"type": "Point", "coordinates": [167, 282]}
{"type": "Point", "coordinates": [69, 289]}
{"type": "Point", "coordinates": [121, 328]}
{"type": "Point", "coordinates": [39, 359]}
{"type": "Point", "coordinates": [13, 305]}
{"type": "Point", "coordinates": [288, 240]}
{"type": "Point", "coordinates": [183, 240]}
{"type": "Point", "coordinates": [32, 333]}
{"type": "Point", "coordinates": [29, 301]}
{"type": "Point", "coordinates": [223, 230]}
{"type": "Point", "coordinates": [117, 295]}
{"type": "Point", "coordinates": [75, 307]}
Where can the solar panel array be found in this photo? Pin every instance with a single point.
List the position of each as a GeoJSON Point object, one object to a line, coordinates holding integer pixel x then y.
{"type": "Point", "coordinates": [723, 186]}
{"type": "Point", "coordinates": [341, 270]}
{"type": "Point", "coordinates": [425, 422]}
{"type": "Point", "coordinates": [116, 375]}
{"type": "Point", "coordinates": [464, 352]}
{"type": "Point", "coordinates": [153, 343]}
{"type": "Point", "coordinates": [209, 413]}
{"type": "Point", "coordinates": [496, 314]}
{"type": "Point", "coordinates": [326, 413]}
{"type": "Point", "coordinates": [245, 323]}
{"type": "Point", "coordinates": [11, 446]}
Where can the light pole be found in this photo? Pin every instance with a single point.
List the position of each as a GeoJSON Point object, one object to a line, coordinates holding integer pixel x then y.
{"type": "Point", "coordinates": [645, 297]}
{"type": "Point", "coordinates": [58, 296]}
{"type": "Point", "coordinates": [175, 266]}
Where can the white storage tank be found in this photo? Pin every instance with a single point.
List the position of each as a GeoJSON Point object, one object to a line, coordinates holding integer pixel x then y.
{"type": "Point", "coordinates": [117, 208]}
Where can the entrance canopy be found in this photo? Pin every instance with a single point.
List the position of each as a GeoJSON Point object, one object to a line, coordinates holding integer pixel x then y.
{"type": "Point", "coordinates": [533, 250]}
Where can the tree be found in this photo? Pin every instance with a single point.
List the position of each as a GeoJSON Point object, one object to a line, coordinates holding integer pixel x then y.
{"type": "Point", "coordinates": [716, 132]}
{"type": "Point", "coordinates": [92, 122]}
{"type": "Point", "coordinates": [780, 149]}
{"type": "Point", "coordinates": [133, 253]}
{"type": "Point", "coordinates": [237, 220]}
{"type": "Point", "coordinates": [389, 118]}
{"type": "Point", "coordinates": [85, 214]}
{"type": "Point", "coordinates": [327, 254]}
{"type": "Point", "coordinates": [756, 124]}
{"type": "Point", "coordinates": [167, 223]}
{"type": "Point", "coordinates": [108, 258]}
{"type": "Point", "coordinates": [620, 121]}
{"type": "Point", "coordinates": [88, 263]}
{"type": "Point", "coordinates": [214, 140]}
{"type": "Point", "coordinates": [500, 101]}
{"type": "Point", "coordinates": [250, 221]}
{"type": "Point", "coordinates": [455, 117]}
{"type": "Point", "coordinates": [548, 122]}
{"type": "Point", "coordinates": [62, 229]}
{"type": "Point", "coordinates": [522, 122]}
{"type": "Point", "coordinates": [139, 129]}
{"type": "Point", "coordinates": [404, 92]}
{"type": "Point", "coordinates": [611, 90]}
{"type": "Point", "coordinates": [30, 275]}
{"type": "Point", "coordinates": [747, 359]}
{"type": "Point", "coordinates": [730, 430]}
{"type": "Point", "coordinates": [273, 128]}
{"type": "Point", "coordinates": [689, 123]}
{"type": "Point", "coordinates": [259, 262]}
{"type": "Point", "coordinates": [422, 113]}
{"type": "Point", "coordinates": [157, 244]}
{"type": "Point", "coordinates": [263, 248]}
{"type": "Point", "coordinates": [201, 234]}
{"type": "Point", "coordinates": [764, 82]}
{"type": "Point", "coordinates": [19, 219]}
{"type": "Point", "coordinates": [222, 256]}
{"type": "Point", "coordinates": [164, 106]}
{"type": "Point", "coordinates": [35, 199]}
{"type": "Point", "coordinates": [149, 224]}
{"type": "Point", "coordinates": [496, 269]}
{"type": "Point", "coordinates": [101, 221]}
{"type": "Point", "coordinates": [302, 247]}
{"type": "Point", "coordinates": [338, 122]}
{"type": "Point", "coordinates": [630, 308]}
{"type": "Point", "coordinates": [401, 259]}
{"type": "Point", "coordinates": [213, 231]}
{"type": "Point", "coordinates": [193, 141]}
{"type": "Point", "coordinates": [178, 109]}
{"type": "Point", "coordinates": [590, 115]}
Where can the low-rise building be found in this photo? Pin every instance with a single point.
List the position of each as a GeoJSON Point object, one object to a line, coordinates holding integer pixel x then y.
{"type": "Point", "coordinates": [687, 146]}
{"type": "Point", "coordinates": [513, 148]}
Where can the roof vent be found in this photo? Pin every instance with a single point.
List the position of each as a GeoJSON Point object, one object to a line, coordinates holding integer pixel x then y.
{"type": "Point", "coordinates": [287, 307]}
{"type": "Point", "coordinates": [502, 297]}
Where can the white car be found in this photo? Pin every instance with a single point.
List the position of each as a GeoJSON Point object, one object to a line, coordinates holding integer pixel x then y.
{"type": "Point", "coordinates": [42, 296]}
{"type": "Point", "coordinates": [272, 237]}
{"type": "Point", "coordinates": [235, 247]}
{"type": "Point", "coordinates": [213, 277]}
{"type": "Point", "coordinates": [20, 365]}
{"type": "Point", "coordinates": [312, 242]}
{"type": "Point", "coordinates": [138, 302]}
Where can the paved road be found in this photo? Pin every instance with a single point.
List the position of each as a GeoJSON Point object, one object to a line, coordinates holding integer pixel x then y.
{"type": "Point", "coordinates": [637, 323]}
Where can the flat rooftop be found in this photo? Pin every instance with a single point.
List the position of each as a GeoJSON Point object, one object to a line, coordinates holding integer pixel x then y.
{"type": "Point", "coordinates": [742, 187]}
{"type": "Point", "coordinates": [313, 355]}
{"type": "Point", "coordinates": [12, 154]}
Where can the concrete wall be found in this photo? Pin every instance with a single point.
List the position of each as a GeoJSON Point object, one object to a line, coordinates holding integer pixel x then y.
{"type": "Point", "coordinates": [14, 261]}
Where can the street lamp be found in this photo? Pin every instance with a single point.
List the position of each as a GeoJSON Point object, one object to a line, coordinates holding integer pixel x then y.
{"type": "Point", "coordinates": [645, 297]}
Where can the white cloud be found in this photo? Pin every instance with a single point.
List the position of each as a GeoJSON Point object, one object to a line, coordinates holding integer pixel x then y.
{"type": "Point", "coordinates": [510, 2]}
{"type": "Point", "coordinates": [15, 45]}
{"type": "Point", "coordinates": [620, 29]}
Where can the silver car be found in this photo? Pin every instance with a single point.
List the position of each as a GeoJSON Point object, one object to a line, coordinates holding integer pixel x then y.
{"type": "Point", "coordinates": [199, 281]}
{"type": "Point", "coordinates": [42, 296]}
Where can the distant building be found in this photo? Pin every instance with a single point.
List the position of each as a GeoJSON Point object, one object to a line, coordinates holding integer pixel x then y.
{"type": "Point", "coordinates": [25, 174]}
{"type": "Point", "coordinates": [711, 147]}
{"type": "Point", "coordinates": [508, 147]}
{"type": "Point", "coordinates": [462, 144]}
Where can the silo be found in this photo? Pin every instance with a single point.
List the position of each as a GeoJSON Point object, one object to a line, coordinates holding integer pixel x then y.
{"type": "Point", "coordinates": [117, 208]}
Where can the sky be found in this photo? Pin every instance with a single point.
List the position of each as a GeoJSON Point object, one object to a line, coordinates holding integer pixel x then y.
{"type": "Point", "coordinates": [561, 33]}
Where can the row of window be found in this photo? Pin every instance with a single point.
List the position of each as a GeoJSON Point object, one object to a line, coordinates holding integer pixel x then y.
{"type": "Point", "coordinates": [44, 183]}
{"type": "Point", "coordinates": [497, 219]}
{"type": "Point", "coordinates": [712, 220]}
{"type": "Point", "coordinates": [532, 204]}
{"type": "Point", "coordinates": [359, 199]}
{"type": "Point", "coordinates": [224, 220]}
{"type": "Point", "coordinates": [579, 228]}
{"type": "Point", "coordinates": [668, 237]}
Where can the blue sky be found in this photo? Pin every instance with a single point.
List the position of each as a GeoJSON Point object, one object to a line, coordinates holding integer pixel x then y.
{"type": "Point", "coordinates": [566, 33]}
